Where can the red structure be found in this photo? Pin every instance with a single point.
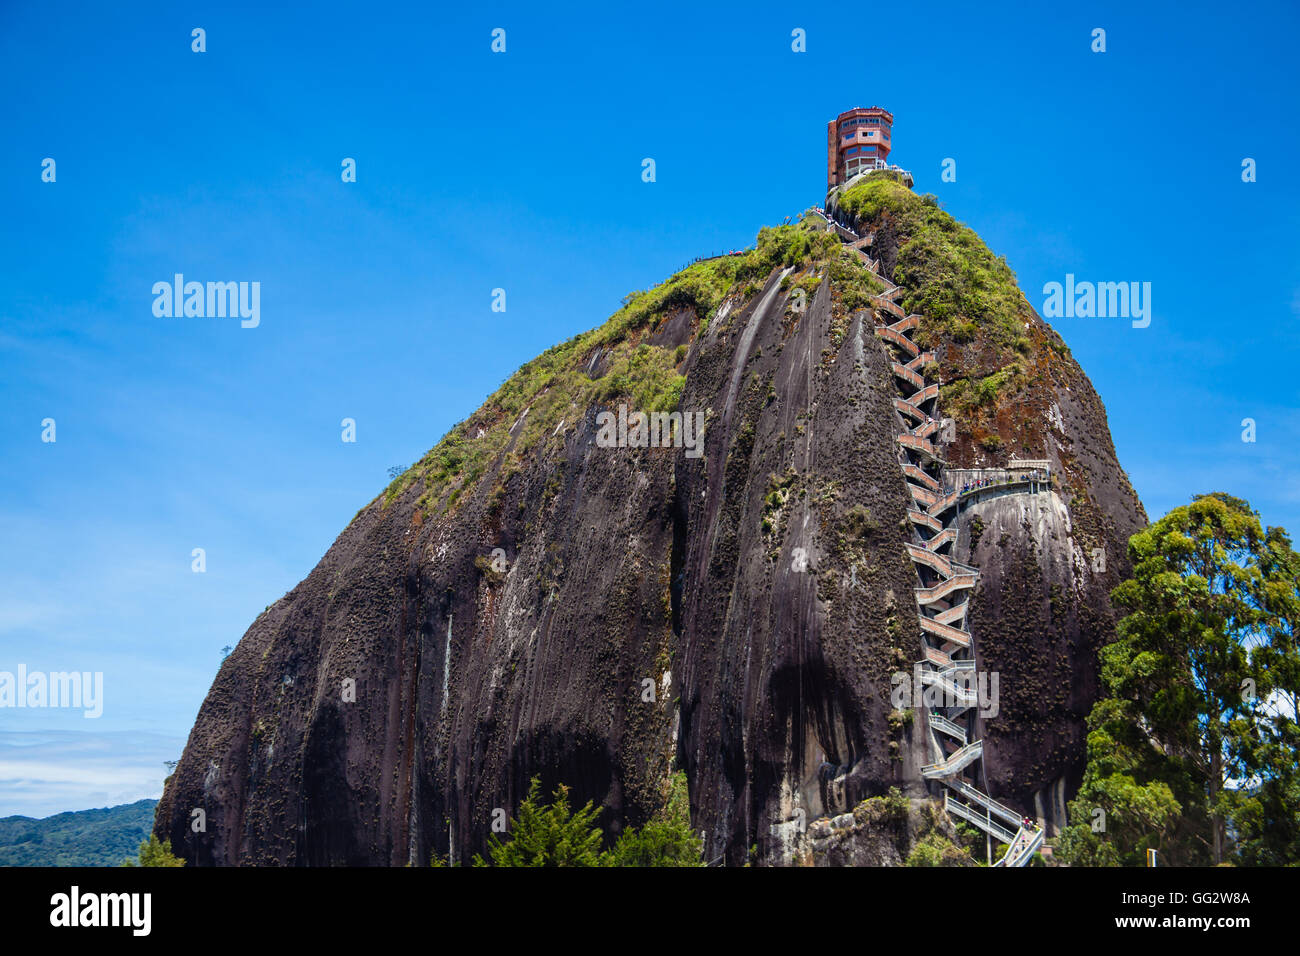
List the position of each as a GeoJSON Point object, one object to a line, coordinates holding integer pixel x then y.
{"type": "Point", "coordinates": [856, 141]}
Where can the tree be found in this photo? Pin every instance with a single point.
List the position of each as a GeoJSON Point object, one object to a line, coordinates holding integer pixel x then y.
{"type": "Point", "coordinates": [1265, 810]}
{"type": "Point", "coordinates": [935, 849]}
{"type": "Point", "coordinates": [550, 835]}
{"type": "Point", "coordinates": [1126, 802]}
{"type": "Point", "coordinates": [1197, 735]}
{"type": "Point", "coordinates": [554, 835]}
{"type": "Point", "coordinates": [667, 839]}
{"type": "Point", "coordinates": [156, 853]}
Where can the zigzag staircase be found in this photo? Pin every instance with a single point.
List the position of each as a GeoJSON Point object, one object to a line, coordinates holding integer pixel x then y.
{"type": "Point", "coordinates": [945, 585]}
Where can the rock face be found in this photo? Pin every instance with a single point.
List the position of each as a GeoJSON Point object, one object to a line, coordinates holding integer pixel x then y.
{"type": "Point", "coordinates": [1039, 614]}
{"type": "Point", "coordinates": [539, 605]}
{"type": "Point", "coordinates": [884, 831]}
{"type": "Point", "coordinates": [1047, 563]}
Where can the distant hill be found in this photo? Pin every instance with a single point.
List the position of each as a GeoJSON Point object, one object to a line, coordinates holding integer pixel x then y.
{"type": "Point", "coordinates": [103, 837]}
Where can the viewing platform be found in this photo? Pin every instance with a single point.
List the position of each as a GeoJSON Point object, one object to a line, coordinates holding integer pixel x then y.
{"type": "Point", "coordinates": [967, 480]}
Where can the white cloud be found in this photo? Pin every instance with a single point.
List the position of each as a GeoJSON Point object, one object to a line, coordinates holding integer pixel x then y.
{"type": "Point", "coordinates": [47, 772]}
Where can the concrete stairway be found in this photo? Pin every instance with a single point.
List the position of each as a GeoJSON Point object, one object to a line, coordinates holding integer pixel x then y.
{"type": "Point", "coordinates": [948, 667]}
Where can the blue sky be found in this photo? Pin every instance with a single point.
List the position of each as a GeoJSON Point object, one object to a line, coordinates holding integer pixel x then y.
{"type": "Point", "coordinates": [522, 171]}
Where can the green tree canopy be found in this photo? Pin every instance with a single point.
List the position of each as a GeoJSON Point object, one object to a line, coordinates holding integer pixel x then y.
{"type": "Point", "coordinates": [667, 839]}
{"type": "Point", "coordinates": [555, 835]}
{"type": "Point", "coordinates": [1193, 749]}
{"type": "Point", "coordinates": [548, 835]}
{"type": "Point", "coordinates": [155, 852]}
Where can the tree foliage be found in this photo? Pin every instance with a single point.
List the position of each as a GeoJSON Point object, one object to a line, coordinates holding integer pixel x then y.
{"type": "Point", "coordinates": [1193, 749]}
{"type": "Point", "coordinates": [155, 852]}
{"type": "Point", "coordinates": [100, 837]}
{"type": "Point", "coordinates": [547, 834]}
{"type": "Point", "coordinates": [667, 839]}
{"type": "Point", "coordinates": [552, 834]}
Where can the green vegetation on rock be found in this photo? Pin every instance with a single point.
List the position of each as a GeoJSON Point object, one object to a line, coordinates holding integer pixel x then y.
{"type": "Point", "coordinates": [554, 835]}
{"type": "Point", "coordinates": [853, 282]}
{"type": "Point", "coordinates": [935, 849]}
{"type": "Point", "coordinates": [547, 834]}
{"type": "Point", "coordinates": [667, 839]}
{"type": "Point", "coordinates": [968, 299]}
{"type": "Point", "coordinates": [556, 388]}
{"type": "Point", "coordinates": [155, 852]}
{"type": "Point", "coordinates": [920, 831]}
{"type": "Point", "coordinates": [951, 276]}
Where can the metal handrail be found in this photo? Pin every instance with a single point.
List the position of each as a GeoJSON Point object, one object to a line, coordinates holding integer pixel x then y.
{"type": "Point", "coordinates": [985, 823]}
{"type": "Point", "coordinates": [941, 590]}
{"type": "Point", "coordinates": [971, 793]}
{"type": "Point", "coordinates": [1021, 843]}
{"type": "Point", "coordinates": [947, 726]}
{"type": "Point", "coordinates": [956, 761]}
{"type": "Point", "coordinates": [963, 696]}
{"type": "Point", "coordinates": [1019, 854]}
